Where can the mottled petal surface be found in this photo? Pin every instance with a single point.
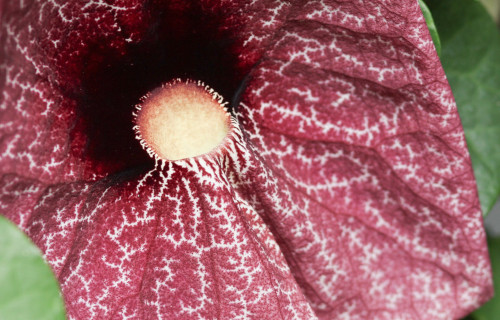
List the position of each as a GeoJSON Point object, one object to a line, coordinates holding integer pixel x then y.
{"type": "Point", "coordinates": [348, 194]}
{"type": "Point", "coordinates": [351, 111]}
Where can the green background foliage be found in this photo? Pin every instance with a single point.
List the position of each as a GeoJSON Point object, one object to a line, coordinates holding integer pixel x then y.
{"type": "Point", "coordinates": [28, 288]}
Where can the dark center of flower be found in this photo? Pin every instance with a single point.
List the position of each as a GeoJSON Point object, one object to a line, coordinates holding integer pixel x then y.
{"type": "Point", "coordinates": [185, 39]}
{"type": "Point", "coordinates": [181, 119]}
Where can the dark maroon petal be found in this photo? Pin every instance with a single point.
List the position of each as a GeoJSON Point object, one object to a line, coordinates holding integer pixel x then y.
{"type": "Point", "coordinates": [178, 242]}
{"type": "Point", "coordinates": [380, 218]}
{"type": "Point", "coordinates": [72, 72]}
{"type": "Point", "coordinates": [45, 48]}
{"type": "Point", "coordinates": [353, 186]}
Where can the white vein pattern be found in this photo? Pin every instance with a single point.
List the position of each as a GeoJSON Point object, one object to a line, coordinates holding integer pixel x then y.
{"type": "Point", "coordinates": [42, 42]}
{"type": "Point", "coordinates": [350, 194]}
{"type": "Point", "coordinates": [379, 182]}
{"type": "Point", "coordinates": [181, 241]}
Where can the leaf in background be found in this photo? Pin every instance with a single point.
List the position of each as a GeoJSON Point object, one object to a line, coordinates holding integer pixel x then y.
{"type": "Point", "coordinates": [493, 8]}
{"type": "Point", "coordinates": [431, 25]}
{"type": "Point", "coordinates": [28, 288]}
{"type": "Point", "coordinates": [491, 309]}
{"type": "Point", "coordinates": [471, 59]}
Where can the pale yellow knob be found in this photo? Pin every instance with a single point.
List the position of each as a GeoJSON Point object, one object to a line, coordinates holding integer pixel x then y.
{"type": "Point", "coordinates": [182, 119]}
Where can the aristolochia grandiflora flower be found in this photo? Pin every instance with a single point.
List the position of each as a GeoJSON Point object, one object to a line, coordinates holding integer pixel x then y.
{"type": "Point", "coordinates": [335, 184]}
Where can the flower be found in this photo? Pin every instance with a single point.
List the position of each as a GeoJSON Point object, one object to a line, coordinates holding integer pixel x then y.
{"type": "Point", "coordinates": [345, 189]}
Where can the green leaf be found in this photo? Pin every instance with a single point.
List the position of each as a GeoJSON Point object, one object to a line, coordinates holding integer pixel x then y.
{"type": "Point", "coordinates": [431, 26]}
{"type": "Point", "coordinates": [491, 310]}
{"type": "Point", "coordinates": [470, 54]}
{"type": "Point", "coordinates": [28, 288]}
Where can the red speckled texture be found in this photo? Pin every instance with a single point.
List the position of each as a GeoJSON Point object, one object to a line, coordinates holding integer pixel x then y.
{"type": "Point", "coordinates": [345, 190]}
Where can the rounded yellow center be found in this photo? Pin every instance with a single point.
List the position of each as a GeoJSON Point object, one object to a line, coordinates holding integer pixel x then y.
{"type": "Point", "coordinates": [182, 120]}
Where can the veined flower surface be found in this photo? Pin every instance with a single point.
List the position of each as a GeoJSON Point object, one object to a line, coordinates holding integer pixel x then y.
{"type": "Point", "coordinates": [345, 189]}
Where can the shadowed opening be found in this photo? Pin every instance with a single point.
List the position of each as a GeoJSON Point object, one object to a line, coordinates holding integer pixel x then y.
{"type": "Point", "coordinates": [182, 41]}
